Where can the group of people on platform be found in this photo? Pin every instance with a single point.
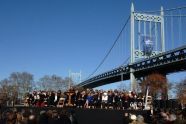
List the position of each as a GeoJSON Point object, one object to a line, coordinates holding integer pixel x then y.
{"type": "Point", "coordinates": [88, 98]}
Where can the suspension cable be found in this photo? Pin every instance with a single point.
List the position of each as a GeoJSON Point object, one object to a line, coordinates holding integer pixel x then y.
{"type": "Point", "coordinates": [171, 9]}
{"type": "Point", "coordinates": [175, 16]}
{"type": "Point", "coordinates": [125, 61]}
{"type": "Point", "coordinates": [116, 40]}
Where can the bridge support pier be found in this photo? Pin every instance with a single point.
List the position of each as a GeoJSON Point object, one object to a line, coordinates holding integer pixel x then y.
{"type": "Point", "coordinates": [132, 80]}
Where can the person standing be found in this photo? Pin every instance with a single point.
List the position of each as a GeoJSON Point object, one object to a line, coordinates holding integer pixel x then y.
{"type": "Point", "coordinates": [104, 100]}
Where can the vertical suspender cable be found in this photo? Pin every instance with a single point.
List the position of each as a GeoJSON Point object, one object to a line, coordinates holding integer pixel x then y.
{"type": "Point", "coordinates": [120, 49]}
{"type": "Point", "coordinates": [144, 36]}
{"type": "Point", "coordinates": [139, 34]}
{"type": "Point", "coordinates": [180, 28]}
{"type": "Point", "coordinates": [156, 37]}
{"type": "Point", "coordinates": [150, 23]}
{"type": "Point", "coordinates": [167, 32]}
{"type": "Point", "coordinates": [121, 45]}
{"type": "Point", "coordinates": [150, 30]}
{"type": "Point", "coordinates": [125, 42]}
{"type": "Point", "coordinates": [172, 33]}
{"type": "Point", "coordinates": [144, 28]}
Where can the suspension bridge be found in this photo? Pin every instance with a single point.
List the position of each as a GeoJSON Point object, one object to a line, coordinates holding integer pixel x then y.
{"type": "Point", "coordinates": [156, 43]}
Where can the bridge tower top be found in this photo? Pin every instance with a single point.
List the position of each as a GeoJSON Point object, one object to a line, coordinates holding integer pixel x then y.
{"type": "Point", "coordinates": [147, 34]}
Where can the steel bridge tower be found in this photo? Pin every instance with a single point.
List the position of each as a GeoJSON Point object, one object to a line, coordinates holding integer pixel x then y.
{"type": "Point", "coordinates": [74, 77]}
{"type": "Point", "coordinates": [146, 37]}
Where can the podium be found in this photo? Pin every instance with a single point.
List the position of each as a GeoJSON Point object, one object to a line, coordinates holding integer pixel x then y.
{"type": "Point", "coordinates": [69, 94]}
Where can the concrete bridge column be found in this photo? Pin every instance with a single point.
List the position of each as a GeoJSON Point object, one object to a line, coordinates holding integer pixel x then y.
{"type": "Point", "coordinates": [132, 59]}
{"type": "Point", "coordinates": [133, 80]}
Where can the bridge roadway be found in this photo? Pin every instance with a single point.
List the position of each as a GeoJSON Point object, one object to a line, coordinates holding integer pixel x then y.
{"type": "Point", "coordinates": [164, 63]}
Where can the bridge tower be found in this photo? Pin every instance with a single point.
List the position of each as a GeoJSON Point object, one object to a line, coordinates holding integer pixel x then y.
{"type": "Point", "coordinates": [146, 37]}
{"type": "Point", "coordinates": [74, 77]}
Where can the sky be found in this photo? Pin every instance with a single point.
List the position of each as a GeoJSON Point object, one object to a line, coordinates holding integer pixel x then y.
{"type": "Point", "coordinates": [46, 37]}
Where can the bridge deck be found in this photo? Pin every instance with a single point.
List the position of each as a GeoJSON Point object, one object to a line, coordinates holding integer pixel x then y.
{"type": "Point", "coordinates": [164, 63]}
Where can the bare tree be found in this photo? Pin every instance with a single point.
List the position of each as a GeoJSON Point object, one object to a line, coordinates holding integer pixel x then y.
{"type": "Point", "coordinates": [171, 89]}
{"type": "Point", "coordinates": [45, 82]}
{"type": "Point", "coordinates": [22, 82]}
{"type": "Point", "coordinates": [54, 82]}
{"type": "Point", "coordinates": [122, 87]}
{"type": "Point", "coordinates": [19, 83]}
{"type": "Point", "coordinates": [4, 91]}
{"type": "Point", "coordinates": [27, 80]}
{"type": "Point", "coordinates": [181, 92]}
{"type": "Point", "coordinates": [156, 83]}
{"type": "Point", "coordinates": [8, 92]}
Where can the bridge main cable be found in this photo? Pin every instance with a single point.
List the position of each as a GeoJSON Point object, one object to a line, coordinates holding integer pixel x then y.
{"type": "Point", "coordinates": [116, 40]}
{"type": "Point", "coordinates": [171, 9]}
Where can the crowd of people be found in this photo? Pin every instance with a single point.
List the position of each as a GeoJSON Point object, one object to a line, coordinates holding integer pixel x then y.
{"type": "Point", "coordinates": [29, 115]}
{"type": "Point", "coordinates": [88, 98]}
{"type": "Point", "coordinates": [169, 116]}
{"type": "Point", "coordinates": [45, 106]}
{"type": "Point", "coordinates": [26, 116]}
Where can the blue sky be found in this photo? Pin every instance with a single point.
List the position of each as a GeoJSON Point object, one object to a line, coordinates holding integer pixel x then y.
{"type": "Point", "coordinates": [46, 37]}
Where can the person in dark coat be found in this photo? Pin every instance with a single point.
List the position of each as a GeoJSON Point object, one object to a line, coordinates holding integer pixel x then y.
{"type": "Point", "coordinates": [64, 118]}
{"type": "Point", "coordinates": [51, 99]}
{"type": "Point", "coordinates": [110, 99]}
{"type": "Point", "coordinates": [77, 99]}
